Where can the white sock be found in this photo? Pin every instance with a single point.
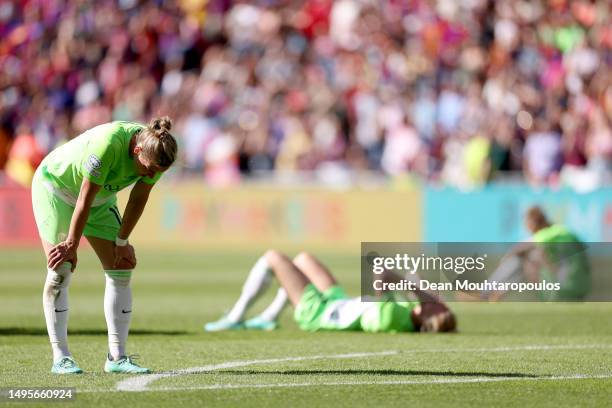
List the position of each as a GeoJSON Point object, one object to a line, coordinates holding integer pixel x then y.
{"type": "Point", "coordinates": [55, 306]}
{"type": "Point", "coordinates": [118, 310]}
{"type": "Point", "coordinates": [257, 282]}
{"type": "Point", "coordinates": [276, 307]}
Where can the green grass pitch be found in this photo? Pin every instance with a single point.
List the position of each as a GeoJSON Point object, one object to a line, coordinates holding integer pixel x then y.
{"type": "Point", "coordinates": [512, 354]}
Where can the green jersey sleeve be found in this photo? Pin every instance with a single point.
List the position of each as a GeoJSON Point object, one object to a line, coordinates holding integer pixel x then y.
{"type": "Point", "coordinates": [98, 157]}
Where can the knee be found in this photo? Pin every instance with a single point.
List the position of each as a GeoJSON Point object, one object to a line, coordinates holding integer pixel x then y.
{"type": "Point", "coordinates": [60, 278]}
{"type": "Point", "coordinates": [536, 256]}
{"type": "Point", "coordinates": [274, 257]}
{"type": "Point", "coordinates": [123, 264]}
{"type": "Point", "coordinates": [302, 259]}
{"type": "Point", "coordinates": [57, 280]}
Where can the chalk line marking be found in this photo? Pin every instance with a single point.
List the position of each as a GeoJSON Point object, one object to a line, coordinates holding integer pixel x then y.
{"type": "Point", "coordinates": [140, 383]}
{"type": "Point", "coordinates": [398, 382]}
{"type": "Point", "coordinates": [350, 383]}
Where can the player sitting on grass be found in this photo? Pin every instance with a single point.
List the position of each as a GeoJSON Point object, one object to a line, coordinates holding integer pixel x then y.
{"type": "Point", "coordinates": [321, 304]}
{"type": "Point", "coordinates": [553, 253]}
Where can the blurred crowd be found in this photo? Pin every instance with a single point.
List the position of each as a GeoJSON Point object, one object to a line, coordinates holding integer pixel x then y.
{"type": "Point", "coordinates": [451, 91]}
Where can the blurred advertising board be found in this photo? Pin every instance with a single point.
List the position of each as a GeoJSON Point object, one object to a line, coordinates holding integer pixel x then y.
{"type": "Point", "coordinates": [189, 215]}
{"type": "Point", "coordinates": [17, 226]}
{"type": "Point", "coordinates": [192, 216]}
{"type": "Point", "coordinates": [495, 213]}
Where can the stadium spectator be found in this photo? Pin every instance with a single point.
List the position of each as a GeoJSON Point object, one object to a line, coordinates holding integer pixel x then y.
{"type": "Point", "coordinates": [542, 154]}
{"type": "Point", "coordinates": [320, 84]}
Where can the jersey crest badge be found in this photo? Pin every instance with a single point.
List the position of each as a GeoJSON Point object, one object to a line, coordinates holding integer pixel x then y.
{"type": "Point", "coordinates": [93, 165]}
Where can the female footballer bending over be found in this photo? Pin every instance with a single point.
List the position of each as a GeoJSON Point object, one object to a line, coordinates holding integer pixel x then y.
{"type": "Point", "coordinates": [74, 194]}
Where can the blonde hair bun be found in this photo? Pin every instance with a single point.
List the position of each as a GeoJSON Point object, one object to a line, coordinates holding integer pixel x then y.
{"type": "Point", "coordinates": [163, 123]}
{"type": "Point", "coordinates": [157, 143]}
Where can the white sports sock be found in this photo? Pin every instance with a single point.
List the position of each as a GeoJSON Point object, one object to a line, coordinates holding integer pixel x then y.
{"type": "Point", "coordinates": [257, 282]}
{"type": "Point", "coordinates": [55, 306]}
{"type": "Point", "coordinates": [118, 310]}
{"type": "Point", "coordinates": [276, 307]}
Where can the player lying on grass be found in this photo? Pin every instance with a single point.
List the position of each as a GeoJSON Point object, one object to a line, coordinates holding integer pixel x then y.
{"type": "Point", "coordinates": [553, 253]}
{"type": "Point", "coordinates": [321, 304]}
{"type": "Point", "coordinates": [74, 194]}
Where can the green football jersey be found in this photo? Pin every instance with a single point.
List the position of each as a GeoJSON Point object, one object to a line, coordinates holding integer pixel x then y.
{"type": "Point", "coordinates": [388, 317]}
{"type": "Point", "coordinates": [554, 233]}
{"type": "Point", "coordinates": [570, 255]}
{"type": "Point", "coordinates": [376, 317]}
{"type": "Point", "coordinates": [334, 310]}
{"type": "Point", "coordinates": [558, 242]}
{"type": "Point", "coordinates": [101, 154]}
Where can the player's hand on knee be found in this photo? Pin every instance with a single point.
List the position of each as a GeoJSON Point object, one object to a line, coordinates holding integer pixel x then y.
{"type": "Point", "coordinates": [125, 257]}
{"type": "Point", "coordinates": [63, 252]}
{"type": "Point", "coordinates": [124, 264]}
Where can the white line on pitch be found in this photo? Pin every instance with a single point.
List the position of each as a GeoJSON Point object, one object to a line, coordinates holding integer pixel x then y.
{"type": "Point", "coordinates": [141, 382]}
{"type": "Point", "coordinates": [350, 383]}
{"type": "Point", "coordinates": [397, 382]}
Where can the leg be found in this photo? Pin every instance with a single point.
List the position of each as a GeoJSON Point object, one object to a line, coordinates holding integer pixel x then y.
{"type": "Point", "coordinates": [53, 220]}
{"type": "Point", "coordinates": [268, 319]}
{"type": "Point", "coordinates": [292, 279]}
{"type": "Point", "coordinates": [311, 268]}
{"type": "Point", "coordinates": [55, 306]}
{"type": "Point", "coordinates": [117, 296]}
{"type": "Point", "coordinates": [256, 284]}
{"type": "Point", "coordinates": [532, 264]}
{"type": "Point", "coordinates": [276, 307]}
{"type": "Point", "coordinates": [289, 277]}
{"type": "Point", "coordinates": [509, 270]}
{"type": "Point", "coordinates": [314, 271]}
